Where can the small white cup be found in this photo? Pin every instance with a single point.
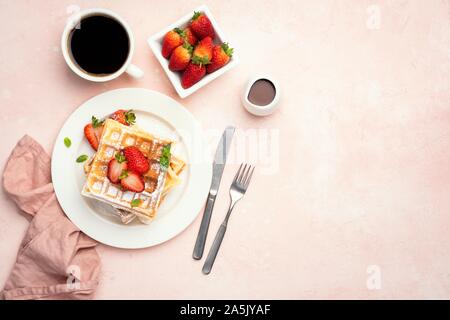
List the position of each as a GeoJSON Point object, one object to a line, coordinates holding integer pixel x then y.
{"type": "Point", "coordinates": [127, 67]}
{"type": "Point", "coordinates": [258, 110]}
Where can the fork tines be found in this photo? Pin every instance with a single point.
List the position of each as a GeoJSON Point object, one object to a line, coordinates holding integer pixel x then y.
{"type": "Point", "coordinates": [244, 175]}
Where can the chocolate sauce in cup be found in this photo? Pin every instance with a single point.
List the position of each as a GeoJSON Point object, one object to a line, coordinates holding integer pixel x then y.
{"type": "Point", "coordinates": [261, 96]}
{"type": "Point", "coordinates": [262, 92]}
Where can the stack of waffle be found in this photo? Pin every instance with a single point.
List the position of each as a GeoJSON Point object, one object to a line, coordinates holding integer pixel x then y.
{"type": "Point", "coordinates": [158, 180]}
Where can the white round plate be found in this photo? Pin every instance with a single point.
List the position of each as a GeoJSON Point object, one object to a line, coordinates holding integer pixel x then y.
{"type": "Point", "coordinates": [160, 116]}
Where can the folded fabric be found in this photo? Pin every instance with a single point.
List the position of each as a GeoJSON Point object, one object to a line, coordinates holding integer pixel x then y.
{"type": "Point", "coordinates": [55, 260]}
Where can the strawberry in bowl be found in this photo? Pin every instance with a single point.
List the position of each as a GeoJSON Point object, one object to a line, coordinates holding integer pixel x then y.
{"type": "Point", "coordinates": [198, 51]}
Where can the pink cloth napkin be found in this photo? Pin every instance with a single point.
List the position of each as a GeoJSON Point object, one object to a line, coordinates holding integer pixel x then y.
{"type": "Point", "coordinates": [55, 260]}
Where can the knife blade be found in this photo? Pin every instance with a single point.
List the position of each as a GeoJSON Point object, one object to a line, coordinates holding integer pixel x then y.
{"type": "Point", "coordinates": [220, 159]}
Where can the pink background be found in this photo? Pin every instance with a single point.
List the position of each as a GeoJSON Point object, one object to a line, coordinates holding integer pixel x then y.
{"type": "Point", "coordinates": [364, 145]}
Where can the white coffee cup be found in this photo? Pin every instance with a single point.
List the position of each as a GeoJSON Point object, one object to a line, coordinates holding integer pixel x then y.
{"type": "Point", "coordinates": [127, 67]}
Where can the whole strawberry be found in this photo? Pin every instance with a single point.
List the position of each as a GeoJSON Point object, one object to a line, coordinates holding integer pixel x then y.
{"type": "Point", "coordinates": [202, 26]}
{"type": "Point", "coordinates": [180, 57]}
{"type": "Point", "coordinates": [220, 57]}
{"type": "Point", "coordinates": [125, 117]}
{"type": "Point", "coordinates": [192, 74]}
{"type": "Point", "coordinates": [172, 39]}
{"type": "Point", "coordinates": [137, 162]}
{"type": "Point", "coordinates": [190, 36]}
{"type": "Point", "coordinates": [203, 52]}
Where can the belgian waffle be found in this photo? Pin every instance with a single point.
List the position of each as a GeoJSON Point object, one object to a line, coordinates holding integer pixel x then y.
{"type": "Point", "coordinates": [158, 180]}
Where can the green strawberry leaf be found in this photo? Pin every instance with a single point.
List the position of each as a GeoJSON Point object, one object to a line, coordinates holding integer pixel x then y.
{"type": "Point", "coordinates": [67, 142]}
{"type": "Point", "coordinates": [226, 48]}
{"type": "Point", "coordinates": [180, 32]}
{"type": "Point", "coordinates": [200, 60]}
{"type": "Point", "coordinates": [130, 117]}
{"type": "Point", "coordinates": [188, 47]}
{"type": "Point", "coordinates": [196, 15]}
{"type": "Point", "coordinates": [123, 174]}
{"type": "Point", "coordinates": [96, 122]}
{"type": "Point", "coordinates": [82, 158]}
{"type": "Point", "coordinates": [120, 157]}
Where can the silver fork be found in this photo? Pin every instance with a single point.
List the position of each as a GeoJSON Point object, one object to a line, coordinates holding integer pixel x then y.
{"type": "Point", "coordinates": [237, 191]}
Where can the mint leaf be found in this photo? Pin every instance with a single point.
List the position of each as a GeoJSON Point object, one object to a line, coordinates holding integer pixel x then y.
{"type": "Point", "coordinates": [135, 203]}
{"type": "Point", "coordinates": [165, 157]}
{"type": "Point", "coordinates": [67, 142]}
{"type": "Point", "coordinates": [82, 158]}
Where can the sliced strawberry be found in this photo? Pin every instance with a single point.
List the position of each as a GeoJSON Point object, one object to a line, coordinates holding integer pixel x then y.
{"type": "Point", "coordinates": [115, 168]}
{"type": "Point", "coordinates": [89, 133]}
{"type": "Point", "coordinates": [98, 132]}
{"type": "Point", "coordinates": [137, 162]}
{"type": "Point", "coordinates": [93, 132]}
{"type": "Point", "coordinates": [132, 181]}
{"type": "Point", "coordinates": [125, 117]}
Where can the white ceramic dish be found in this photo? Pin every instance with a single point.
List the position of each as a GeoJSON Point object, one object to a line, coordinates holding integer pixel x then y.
{"type": "Point", "coordinates": [155, 43]}
{"type": "Point", "coordinates": [159, 115]}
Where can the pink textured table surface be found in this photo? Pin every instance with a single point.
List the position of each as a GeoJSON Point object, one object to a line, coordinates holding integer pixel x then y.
{"type": "Point", "coordinates": [357, 184]}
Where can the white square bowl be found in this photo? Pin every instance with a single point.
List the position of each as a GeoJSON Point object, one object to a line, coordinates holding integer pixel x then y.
{"type": "Point", "coordinates": [155, 43]}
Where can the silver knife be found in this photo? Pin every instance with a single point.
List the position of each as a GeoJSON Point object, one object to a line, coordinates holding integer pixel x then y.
{"type": "Point", "coordinates": [218, 166]}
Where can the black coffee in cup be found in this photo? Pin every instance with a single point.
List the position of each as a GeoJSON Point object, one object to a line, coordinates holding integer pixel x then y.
{"type": "Point", "coordinates": [99, 45]}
